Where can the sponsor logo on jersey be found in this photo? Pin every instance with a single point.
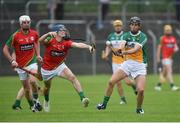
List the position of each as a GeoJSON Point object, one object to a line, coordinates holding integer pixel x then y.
{"type": "Point", "coordinates": [170, 45]}
{"type": "Point", "coordinates": [26, 47]}
{"type": "Point", "coordinates": [56, 53]}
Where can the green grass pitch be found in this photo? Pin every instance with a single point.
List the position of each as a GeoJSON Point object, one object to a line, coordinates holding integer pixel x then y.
{"type": "Point", "coordinates": [66, 105]}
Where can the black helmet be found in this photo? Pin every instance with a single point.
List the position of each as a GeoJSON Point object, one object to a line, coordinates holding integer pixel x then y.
{"type": "Point", "coordinates": [135, 20]}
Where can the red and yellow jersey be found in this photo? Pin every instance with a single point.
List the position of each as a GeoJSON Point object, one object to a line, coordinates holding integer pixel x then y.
{"type": "Point", "coordinates": [23, 45]}
{"type": "Point", "coordinates": [167, 46]}
{"type": "Point", "coordinates": [55, 53]}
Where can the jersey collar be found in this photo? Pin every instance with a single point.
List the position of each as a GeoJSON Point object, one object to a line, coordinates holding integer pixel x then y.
{"type": "Point", "coordinates": [23, 32]}
{"type": "Point", "coordinates": [118, 33]}
{"type": "Point", "coordinates": [135, 34]}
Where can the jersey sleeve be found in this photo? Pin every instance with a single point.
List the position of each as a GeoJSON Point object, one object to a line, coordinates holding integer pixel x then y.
{"type": "Point", "coordinates": [36, 37]}
{"type": "Point", "coordinates": [48, 38]}
{"type": "Point", "coordinates": [68, 44]}
{"type": "Point", "coordinates": [109, 37]}
{"type": "Point", "coordinates": [9, 42]}
{"type": "Point", "coordinates": [124, 37]}
{"type": "Point", "coordinates": [142, 40]}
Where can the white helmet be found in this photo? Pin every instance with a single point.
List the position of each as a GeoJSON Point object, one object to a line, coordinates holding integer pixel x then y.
{"type": "Point", "coordinates": [24, 18]}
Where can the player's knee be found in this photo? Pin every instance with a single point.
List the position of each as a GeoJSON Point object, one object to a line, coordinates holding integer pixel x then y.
{"type": "Point", "coordinates": [27, 90]}
{"type": "Point", "coordinates": [32, 82]}
{"type": "Point", "coordinates": [111, 83]}
{"type": "Point", "coordinates": [141, 92]}
{"type": "Point", "coordinates": [72, 78]}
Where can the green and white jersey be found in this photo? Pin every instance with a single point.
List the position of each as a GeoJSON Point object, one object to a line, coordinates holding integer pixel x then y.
{"type": "Point", "coordinates": [115, 40]}
{"type": "Point", "coordinates": [140, 38]}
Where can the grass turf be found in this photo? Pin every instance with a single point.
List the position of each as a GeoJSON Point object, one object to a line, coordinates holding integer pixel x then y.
{"type": "Point", "coordinates": [66, 105]}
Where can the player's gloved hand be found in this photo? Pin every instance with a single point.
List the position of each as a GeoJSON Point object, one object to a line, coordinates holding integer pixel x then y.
{"type": "Point", "coordinates": [14, 64]}
{"type": "Point", "coordinates": [92, 48]}
{"type": "Point", "coordinates": [40, 60]}
{"type": "Point", "coordinates": [118, 52]}
{"type": "Point", "coordinates": [103, 56]}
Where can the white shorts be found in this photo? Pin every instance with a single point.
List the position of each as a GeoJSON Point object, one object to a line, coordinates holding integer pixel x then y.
{"type": "Point", "coordinates": [133, 68]}
{"type": "Point", "coordinates": [24, 75]}
{"type": "Point", "coordinates": [166, 61]}
{"type": "Point", "coordinates": [115, 66]}
{"type": "Point", "coordinates": [48, 74]}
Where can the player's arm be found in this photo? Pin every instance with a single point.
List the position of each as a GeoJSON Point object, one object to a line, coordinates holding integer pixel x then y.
{"type": "Point", "coordinates": [11, 58]}
{"type": "Point", "coordinates": [37, 50]}
{"type": "Point", "coordinates": [122, 45]}
{"type": "Point", "coordinates": [7, 54]}
{"type": "Point", "coordinates": [6, 51]}
{"type": "Point", "coordinates": [176, 48]}
{"type": "Point", "coordinates": [46, 37]}
{"type": "Point", "coordinates": [13, 55]}
{"type": "Point", "coordinates": [121, 48]}
{"type": "Point", "coordinates": [82, 46]}
{"type": "Point", "coordinates": [105, 53]}
{"type": "Point", "coordinates": [136, 47]}
{"type": "Point", "coordinates": [158, 55]}
{"type": "Point", "coordinates": [131, 51]}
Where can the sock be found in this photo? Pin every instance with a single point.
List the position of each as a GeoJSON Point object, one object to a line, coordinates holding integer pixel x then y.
{"type": "Point", "coordinates": [106, 99]}
{"type": "Point", "coordinates": [171, 84]}
{"type": "Point", "coordinates": [46, 97]}
{"type": "Point", "coordinates": [17, 103]}
{"type": "Point", "coordinates": [30, 103]}
{"type": "Point", "coordinates": [81, 94]}
{"type": "Point", "coordinates": [123, 99]}
{"type": "Point", "coordinates": [35, 96]}
{"type": "Point", "coordinates": [159, 84]}
{"type": "Point", "coordinates": [138, 108]}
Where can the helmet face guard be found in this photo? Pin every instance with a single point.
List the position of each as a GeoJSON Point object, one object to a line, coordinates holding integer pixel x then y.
{"type": "Point", "coordinates": [24, 18]}
{"type": "Point", "coordinates": [61, 29]}
{"type": "Point", "coordinates": [25, 22]}
{"type": "Point", "coordinates": [64, 34]}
